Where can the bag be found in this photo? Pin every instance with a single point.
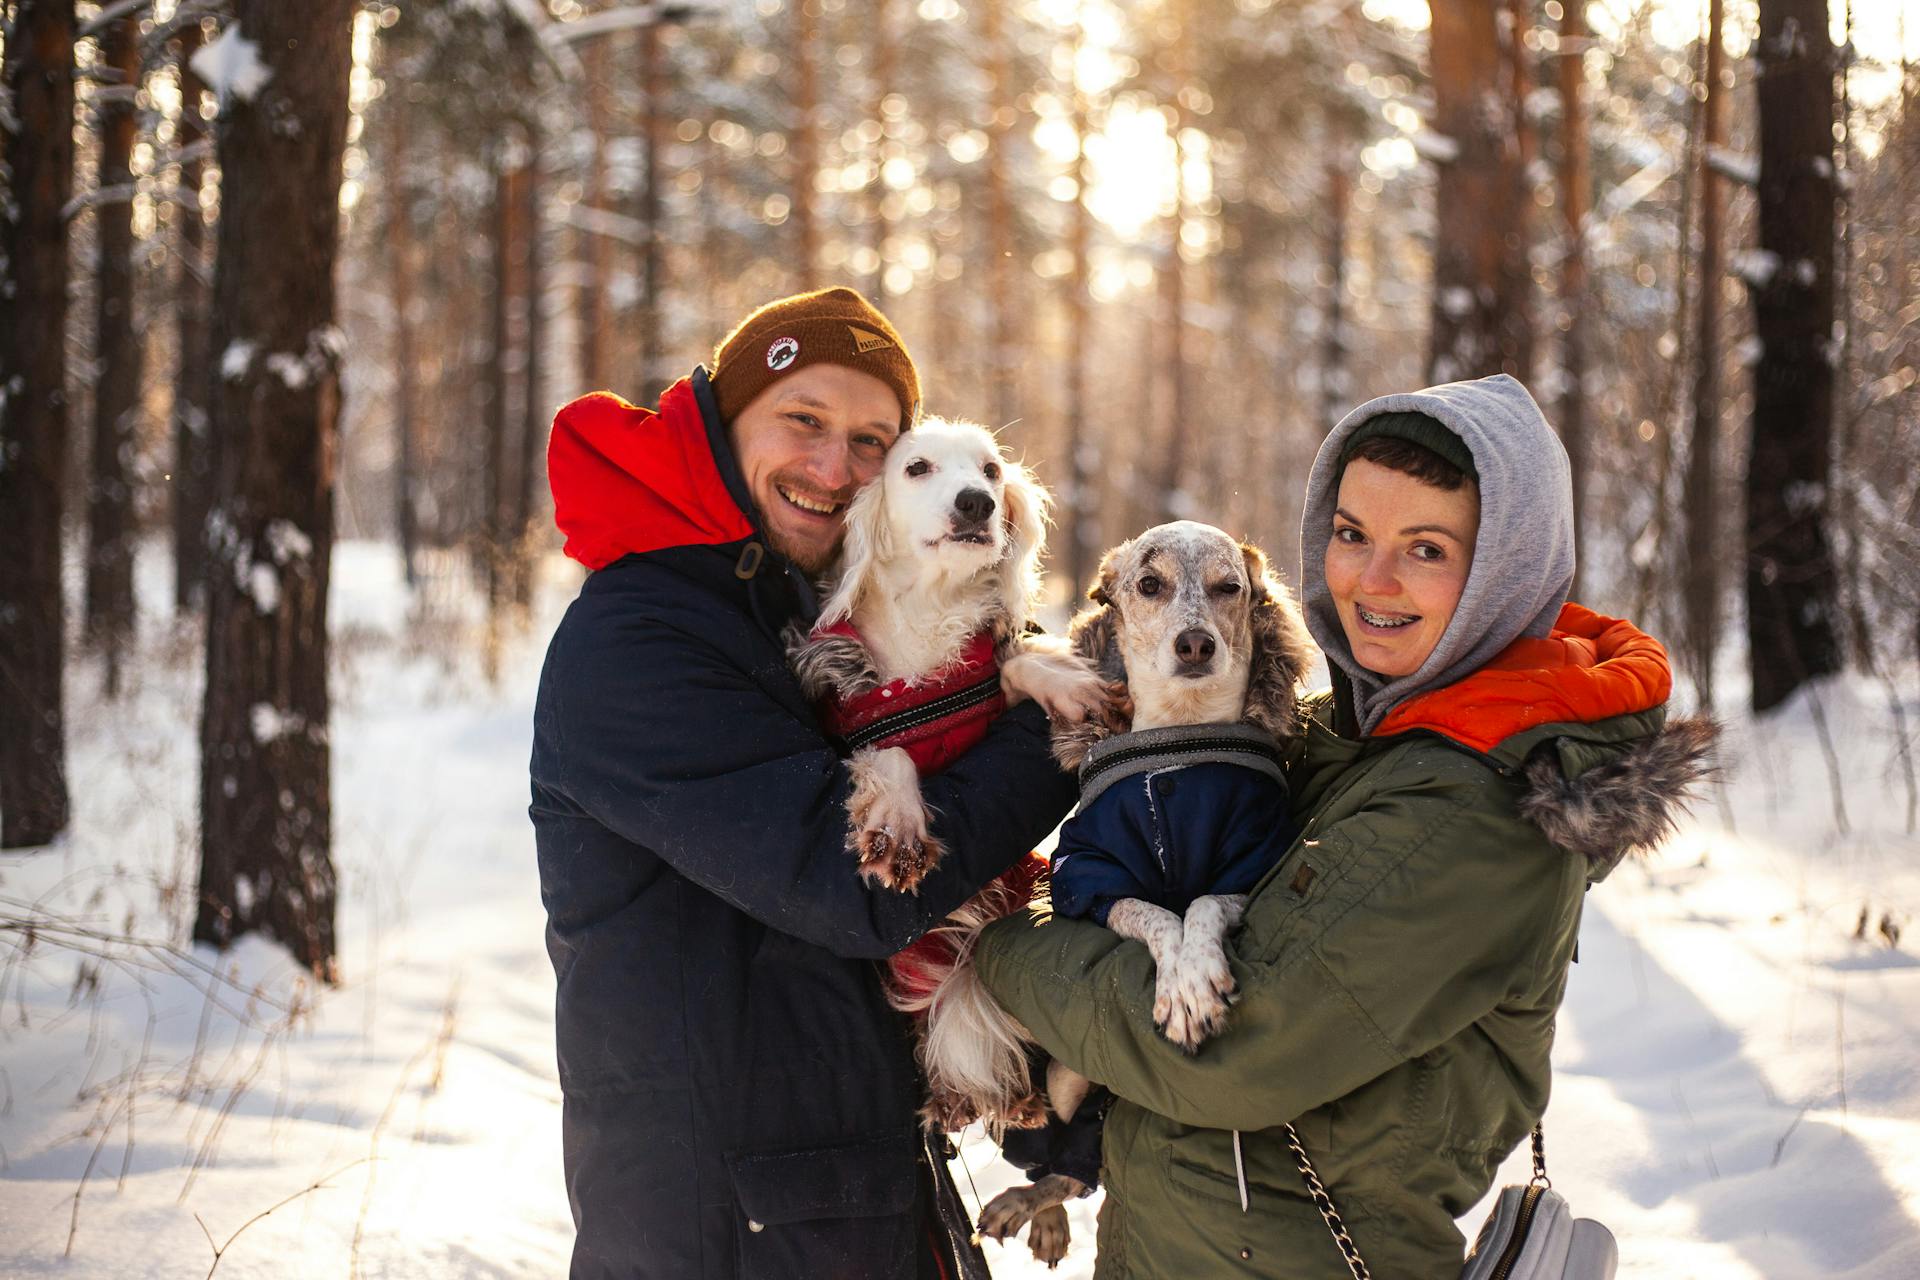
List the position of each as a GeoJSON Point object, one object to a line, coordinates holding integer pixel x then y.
{"type": "Point", "coordinates": [1530, 1235]}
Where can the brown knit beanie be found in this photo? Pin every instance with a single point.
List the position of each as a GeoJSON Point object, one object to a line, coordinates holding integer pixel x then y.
{"type": "Point", "coordinates": [827, 326]}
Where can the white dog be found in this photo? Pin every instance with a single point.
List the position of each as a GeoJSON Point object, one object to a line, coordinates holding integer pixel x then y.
{"type": "Point", "coordinates": [923, 639]}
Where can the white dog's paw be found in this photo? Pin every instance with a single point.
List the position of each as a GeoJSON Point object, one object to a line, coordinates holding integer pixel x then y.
{"type": "Point", "coordinates": [1192, 995]}
{"type": "Point", "coordinates": [1063, 684]}
{"type": "Point", "coordinates": [889, 825]}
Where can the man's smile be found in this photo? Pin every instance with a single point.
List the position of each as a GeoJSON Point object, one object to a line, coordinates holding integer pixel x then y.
{"type": "Point", "coordinates": [811, 505]}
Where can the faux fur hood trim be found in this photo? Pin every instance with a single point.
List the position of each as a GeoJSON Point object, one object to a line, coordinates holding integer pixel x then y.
{"type": "Point", "coordinates": [1624, 805]}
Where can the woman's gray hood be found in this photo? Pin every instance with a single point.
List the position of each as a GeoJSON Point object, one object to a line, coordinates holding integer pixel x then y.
{"type": "Point", "coordinates": [1523, 556]}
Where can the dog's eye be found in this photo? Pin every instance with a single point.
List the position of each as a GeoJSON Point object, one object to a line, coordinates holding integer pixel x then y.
{"type": "Point", "coordinates": [1149, 585]}
{"type": "Point", "coordinates": [919, 467]}
{"type": "Point", "coordinates": [1227, 588]}
{"type": "Point", "coordinates": [991, 471]}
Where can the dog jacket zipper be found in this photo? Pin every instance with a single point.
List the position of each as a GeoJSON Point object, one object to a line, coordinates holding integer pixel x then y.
{"type": "Point", "coordinates": [926, 713]}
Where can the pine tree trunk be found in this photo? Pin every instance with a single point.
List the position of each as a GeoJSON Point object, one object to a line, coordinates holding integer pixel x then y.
{"type": "Point", "coordinates": [881, 16]}
{"type": "Point", "coordinates": [1701, 493]}
{"type": "Point", "coordinates": [402, 264]}
{"type": "Point", "coordinates": [33, 420]}
{"type": "Point", "coordinates": [649, 385]}
{"type": "Point", "coordinates": [117, 358]}
{"type": "Point", "coordinates": [1083, 510]}
{"type": "Point", "coordinates": [536, 415]}
{"type": "Point", "coordinates": [1478, 203]}
{"type": "Point", "coordinates": [266, 817]}
{"type": "Point", "coordinates": [1002, 359]}
{"type": "Point", "coordinates": [507, 181]}
{"type": "Point", "coordinates": [1576, 201]}
{"type": "Point", "coordinates": [192, 488]}
{"type": "Point", "coordinates": [590, 294]}
{"type": "Point", "coordinates": [805, 148]}
{"type": "Point", "coordinates": [1791, 634]}
{"type": "Point", "coordinates": [1173, 303]}
{"type": "Point", "coordinates": [1333, 338]}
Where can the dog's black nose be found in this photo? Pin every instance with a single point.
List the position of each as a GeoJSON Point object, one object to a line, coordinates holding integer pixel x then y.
{"type": "Point", "coordinates": [974, 505]}
{"type": "Point", "coordinates": [1193, 647]}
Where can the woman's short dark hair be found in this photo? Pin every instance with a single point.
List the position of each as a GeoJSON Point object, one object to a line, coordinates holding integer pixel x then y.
{"type": "Point", "coordinates": [1408, 458]}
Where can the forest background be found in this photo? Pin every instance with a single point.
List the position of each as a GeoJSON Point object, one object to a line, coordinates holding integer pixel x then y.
{"type": "Point", "coordinates": [289, 292]}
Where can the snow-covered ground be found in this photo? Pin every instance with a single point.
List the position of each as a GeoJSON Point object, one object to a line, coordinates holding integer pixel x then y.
{"type": "Point", "coordinates": [1736, 1093]}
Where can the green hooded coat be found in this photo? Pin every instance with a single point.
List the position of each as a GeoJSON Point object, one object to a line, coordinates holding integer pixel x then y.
{"type": "Point", "coordinates": [1400, 969]}
{"type": "Point", "coordinates": [1399, 973]}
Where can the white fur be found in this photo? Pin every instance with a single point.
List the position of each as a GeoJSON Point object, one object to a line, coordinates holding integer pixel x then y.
{"type": "Point", "coordinates": [1190, 562]}
{"type": "Point", "coordinates": [918, 578]}
{"type": "Point", "coordinates": [913, 592]}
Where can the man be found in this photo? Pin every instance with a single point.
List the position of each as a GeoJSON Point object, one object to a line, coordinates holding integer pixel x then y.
{"type": "Point", "coordinates": [739, 1100]}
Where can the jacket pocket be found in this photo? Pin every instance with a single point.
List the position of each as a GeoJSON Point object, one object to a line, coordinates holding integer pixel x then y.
{"type": "Point", "coordinates": [844, 1212]}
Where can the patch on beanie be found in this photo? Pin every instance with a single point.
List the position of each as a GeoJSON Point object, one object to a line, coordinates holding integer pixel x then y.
{"type": "Point", "coordinates": [782, 353]}
{"type": "Point", "coordinates": [865, 340]}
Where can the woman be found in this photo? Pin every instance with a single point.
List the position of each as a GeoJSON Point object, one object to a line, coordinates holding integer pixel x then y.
{"type": "Point", "coordinates": [1486, 753]}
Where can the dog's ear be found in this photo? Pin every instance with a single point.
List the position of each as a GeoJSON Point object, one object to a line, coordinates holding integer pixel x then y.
{"type": "Point", "coordinates": [1282, 650]}
{"type": "Point", "coordinates": [869, 540]}
{"type": "Point", "coordinates": [1026, 502]}
{"type": "Point", "coordinates": [1094, 634]}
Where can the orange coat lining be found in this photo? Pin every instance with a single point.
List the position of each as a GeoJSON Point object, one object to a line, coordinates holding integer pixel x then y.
{"type": "Point", "coordinates": [1590, 668]}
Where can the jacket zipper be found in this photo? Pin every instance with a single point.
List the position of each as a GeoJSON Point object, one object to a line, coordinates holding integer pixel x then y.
{"type": "Point", "coordinates": [1522, 1224]}
{"type": "Point", "coordinates": [927, 712]}
{"type": "Point", "coordinates": [1126, 755]}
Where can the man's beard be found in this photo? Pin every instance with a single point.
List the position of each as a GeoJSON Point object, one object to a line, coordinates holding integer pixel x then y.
{"type": "Point", "coordinates": [809, 560]}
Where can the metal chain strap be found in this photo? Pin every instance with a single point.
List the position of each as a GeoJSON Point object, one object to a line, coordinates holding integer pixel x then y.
{"type": "Point", "coordinates": [1324, 1203]}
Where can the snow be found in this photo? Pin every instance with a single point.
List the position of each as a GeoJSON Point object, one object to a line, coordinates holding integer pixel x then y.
{"type": "Point", "coordinates": [231, 66]}
{"type": "Point", "coordinates": [1740, 166]}
{"type": "Point", "coordinates": [262, 583]}
{"type": "Point", "coordinates": [270, 723]}
{"type": "Point", "coordinates": [1437, 147]}
{"type": "Point", "coordinates": [290, 369]}
{"type": "Point", "coordinates": [287, 541]}
{"type": "Point", "coordinates": [1734, 1091]}
{"type": "Point", "coordinates": [1757, 267]}
{"type": "Point", "coordinates": [237, 358]}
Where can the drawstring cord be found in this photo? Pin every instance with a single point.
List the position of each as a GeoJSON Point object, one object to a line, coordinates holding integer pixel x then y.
{"type": "Point", "coordinates": [1240, 1170]}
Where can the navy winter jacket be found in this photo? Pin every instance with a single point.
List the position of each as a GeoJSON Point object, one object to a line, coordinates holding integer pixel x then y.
{"type": "Point", "coordinates": [739, 1099]}
{"type": "Point", "coordinates": [1169, 815]}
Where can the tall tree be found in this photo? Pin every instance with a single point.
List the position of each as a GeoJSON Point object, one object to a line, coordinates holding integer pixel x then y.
{"type": "Point", "coordinates": [1173, 279]}
{"type": "Point", "coordinates": [1482, 314]}
{"type": "Point", "coordinates": [1701, 491]}
{"type": "Point", "coordinates": [265, 808]}
{"type": "Point", "coordinates": [805, 143]}
{"type": "Point", "coordinates": [402, 264]}
{"type": "Point", "coordinates": [192, 490]}
{"type": "Point", "coordinates": [117, 353]}
{"type": "Point", "coordinates": [511, 163]}
{"type": "Point", "coordinates": [536, 412]}
{"type": "Point", "coordinates": [652, 342]}
{"type": "Point", "coordinates": [1002, 358]}
{"type": "Point", "coordinates": [38, 70]}
{"type": "Point", "coordinates": [1791, 632]}
{"type": "Point", "coordinates": [591, 243]}
{"type": "Point", "coordinates": [1576, 200]}
{"type": "Point", "coordinates": [1082, 518]}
